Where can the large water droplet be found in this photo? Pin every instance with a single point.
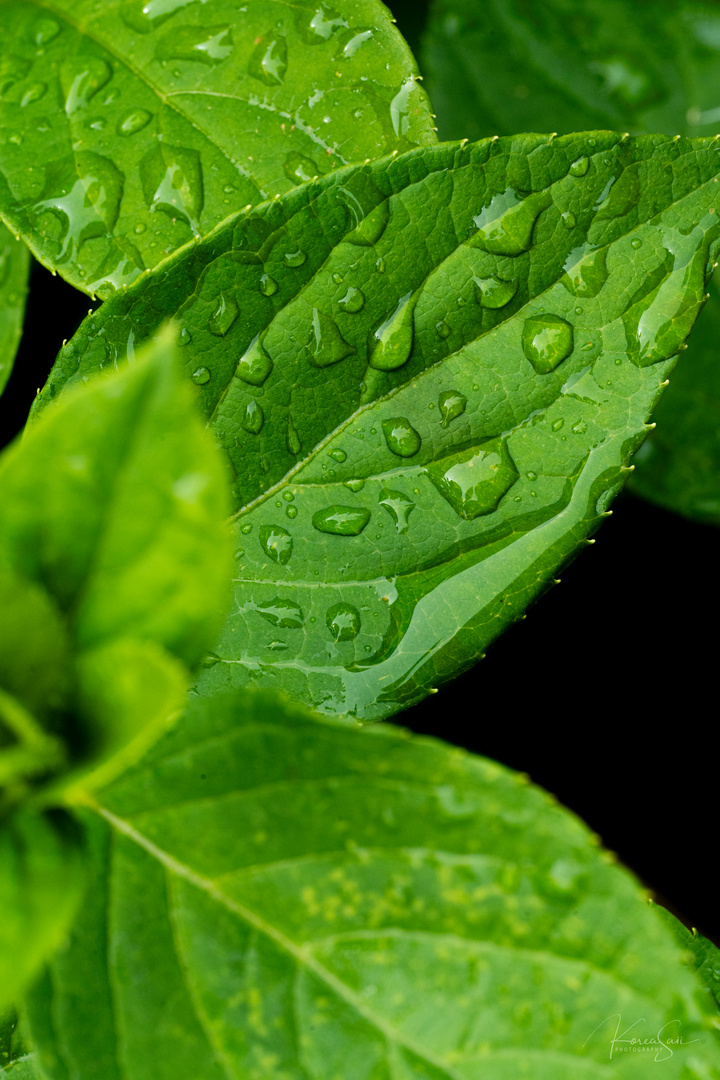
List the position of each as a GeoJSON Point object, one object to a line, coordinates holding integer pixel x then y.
{"type": "Point", "coordinates": [34, 93]}
{"type": "Point", "coordinates": [82, 80]}
{"type": "Point", "coordinates": [44, 31]}
{"type": "Point", "coordinates": [295, 258]}
{"type": "Point", "coordinates": [505, 226]}
{"type": "Point", "coordinates": [254, 365]}
{"type": "Point", "coordinates": [134, 121]}
{"type": "Point", "coordinates": [341, 520]}
{"type": "Point", "coordinates": [351, 46]}
{"type": "Point", "coordinates": [399, 506]}
{"type": "Point", "coordinates": [283, 613]}
{"type": "Point", "coordinates": [172, 183]}
{"type": "Point", "coordinates": [206, 44]}
{"type": "Point", "coordinates": [451, 404]}
{"type": "Point", "coordinates": [400, 110]}
{"type": "Point", "coordinates": [327, 345]}
{"type": "Point", "coordinates": [369, 226]}
{"type": "Point", "coordinates": [300, 169]}
{"type": "Point", "coordinates": [147, 15]}
{"type": "Point", "coordinates": [224, 315]}
{"type": "Point", "coordinates": [401, 437]}
{"type": "Point", "coordinates": [585, 271]}
{"type": "Point", "coordinates": [620, 195]}
{"type": "Point", "coordinates": [353, 301]}
{"type": "Point", "coordinates": [320, 24]}
{"type": "Point", "coordinates": [343, 622]}
{"type": "Point", "coordinates": [547, 340]}
{"type": "Point", "coordinates": [580, 166]}
{"type": "Point", "coordinates": [493, 293]}
{"type": "Point", "coordinates": [293, 439]}
{"type": "Point", "coordinates": [268, 285]}
{"type": "Point", "coordinates": [474, 481]}
{"type": "Point", "coordinates": [269, 59]}
{"type": "Point", "coordinates": [276, 542]}
{"type": "Point", "coordinates": [83, 192]}
{"type": "Point", "coordinates": [392, 342]}
{"type": "Point", "coordinates": [201, 376]}
{"type": "Point", "coordinates": [253, 418]}
{"type": "Point", "coordinates": [338, 455]}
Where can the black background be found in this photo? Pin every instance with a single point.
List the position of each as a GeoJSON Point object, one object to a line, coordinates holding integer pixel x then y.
{"type": "Point", "coordinates": [606, 694]}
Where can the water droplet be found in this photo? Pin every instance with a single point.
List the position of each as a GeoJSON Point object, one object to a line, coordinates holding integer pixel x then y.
{"type": "Point", "coordinates": [293, 439]}
{"type": "Point", "coordinates": [474, 481]}
{"type": "Point", "coordinates": [401, 437]}
{"type": "Point", "coordinates": [147, 15]}
{"type": "Point", "coordinates": [83, 193]}
{"type": "Point", "coordinates": [531, 475]}
{"type": "Point", "coordinates": [82, 81]}
{"type": "Point", "coordinates": [369, 227]}
{"type": "Point", "coordinates": [239, 554]}
{"type": "Point", "coordinates": [319, 25]}
{"type": "Point", "coordinates": [247, 528]}
{"type": "Point", "coordinates": [300, 169]}
{"type": "Point", "coordinates": [585, 271]}
{"type": "Point", "coordinates": [557, 424]}
{"type": "Point", "coordinates": [505, 226]}
{"type": "Point", "coordinates": [355, 485]}
{"type": "Point", "coordinates": [268, 285]}
{"type": "Point", "coordinates": [380, 266]}
{"type": "Point", "coordinates": [568, 219]}
{"type": "Point", "coordinates": [451, 405]}
{"type": "Point", "coordinates": [292, 511]}
{"type": "Point", "coordinates": [276, 542]}
{"type": "Point", "coordinates": [493, 293]}
{"type": "Point", "coordinates": [547, 340]}
{"type": "Point", "coordinates": [34, 93]}
{"type": "Point", "coordinates": [288, 496]}
{"type": "Point", "coordinates": [338, 279]}
{"type": "Point", "coordinates": [619, 196]}
{"type": "Point", "coordinates": [327, 345]}
{"type": "Point", "coordinates": [294, 259]}
{"type": "Point", "coordinates": [210, 660]}
{"type": "Point", "coordinates": [184, 337]}
{"type": "Point", "coordinates": [172, 183]}
{"type": "Point", "coordinates": [254, 365]}
{"type": "Point", "coordinates": [341, 520]}
{"type": "Point", "coordinates": [399, 506]}
{"type": "Point", "coordinates": [579, 428]}
{"type": "Point", "coordinates": [400, 107]}
{"type": "Point", "coordinates": [443, 330]}
{"type": "Point", "coordinates": [207, 44]}
{"type": "Point", "coordinates": [350, 48]}
{"type": "Point", "coordinates": [338, 455]}
{"type": "Point", "coordinates": [253, 418]}
{"type": "Point", "coordinates": [283, 613]}
{"type": "Point", "coordinates": [201, 376]}
{"type": "Point", "coordinates": [268, 61]}
{"type": "Point", "coordinates": [343, 622]}
{"type": "Point", "coordinates": [636, 242]}
{"type": "Point", "coordinates": [352, 301]}
{"type": "Point", "coordinates": [580, 166]}
{"type": "Point", "coordinates": [391, 344]}
{"type": "Point", "coordinates": [44, 31]}
{"type": "Point", "coordinates": [134, 122]}
{"type": "Point", "coordinates": [224, 315]}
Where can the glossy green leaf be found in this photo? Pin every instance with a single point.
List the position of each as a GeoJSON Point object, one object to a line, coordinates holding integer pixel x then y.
{"type": "Point", "coordinates": [411, 470]}
{"type": "Point", "coordinates": [703, 956]}
{"type": "Point", "coordinates": [41, 878]}
{"type": "Point", "coordinates": [126, 129]}
{"type": "Point", "coordinates": [14, 271]}
{"type": "Point", "coordinates": [501, 66]}
{"type": "Point", "coordinates": [275, 895]}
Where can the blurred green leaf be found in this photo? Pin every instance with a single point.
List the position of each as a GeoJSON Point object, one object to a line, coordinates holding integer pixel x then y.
{"type": "Point", "coordinates": [14, 272]}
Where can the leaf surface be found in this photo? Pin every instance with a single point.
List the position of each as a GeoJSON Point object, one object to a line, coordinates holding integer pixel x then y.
{"type": "Point", "coordinates": [433, 405]}
{"type": "Point", "coordinates": [277, 895]}
{"type": "Point", "coordinates": [503, 66]}
{"type": "Point", "coordinates": [703, 955]}
{"type": "Point", "coordinates": [129, 128]}
{"type": "Point", "coordinates": [14, 271]}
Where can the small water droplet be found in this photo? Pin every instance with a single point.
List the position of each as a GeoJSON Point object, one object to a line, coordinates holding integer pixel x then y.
{"type": "Point", "coordinates": [493, 293]}
{"type": "Point", "coordinates": [44, 31]}
{"type": "Point", "coordinates": [392, 342]}
{"type": "Point", "coordinates": [474, 481]}
{"type": "Point", "coordinates": [636, 242]}
{"type": "Point", "coordinates": [369, 227]}
{"type": "Point", "coordinates": [580, 166]}
{"type": "Point", "coordinates": [247, 528]}
{"type": "Point", "coordinates": [269, 59]}
{"type": "Point", "coordinates": [134, 122]}
{"type": "Point", "coordinates": [568, 219]}
{"type": "Point", "coordinates": [338, 455]}
{"type": "Point", "coordinates": [531, 475]}
{"type": "Point", "coordinates": [288, 496]}
{"type": "Point", "coordinates": [380, 265]}
{"type": "Point", "coordinates": [276, 542]}
{"type": "Point", "coordinates": [401, 437]}
{"type": "Point", "coordinates": [140, 228]}
{"type": "Point", "coordinates": [327, 345]}
{"type": "Point", "coordinates": [292, 511]}
{"type": "Point", "coordinates": [557, 424]}
{"type": "Point", "coordinates": [443, 330]}
{"type": "Point", "coordinates": [300, 169]}
{"type": "Point", "coordinates": [547, 340]}
{"type": "Point", "coordinates": [201, 376]}
{"type": "Point", "coordinates": [184, 337]}
{"type": "Point", "coordinates": [205, 44]}
{"type": "Point", "coordinates": [341, 520]}
{"type": "Point", "coordinates": [293, 439]}
{"type": "Point", "coordinates": [355, 485]}
{"type": "Point", "coordinates": [224, 316]}
{"type": "Point", "coordinates": [578, 311]}
{"type": "Point", "coordinates": [621, 194]}
{"type": "Point", "coordinates": [34, 93]}
{"type": "Point", "coordinates": [268, 285]}
{"type": "Point", "coordinates": [338, 279]}
{"type": "Point", "coordinates": [451, 404]}
{"type": "Point", "coordinates": [295, 258]}
{"type": "Point", "coordinates": [343, 622]}
{"type": "Point", "coordinates": [353, 301]}
{"type": "Point", "coordinates": [254, 365]}
{"type": "Point", "coordinates": [253, 418]}
{"type": "Point", "coordinates": [285, 614]}
{"type": "Point", "coordinates": [399, 506]}
{"type": "Point", "coordinates": [579, 428]}
{"type": "Point", "coordinates": [239, 554]}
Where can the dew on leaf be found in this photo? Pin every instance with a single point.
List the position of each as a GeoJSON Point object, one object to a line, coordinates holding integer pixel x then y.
{"type": "Point", "coordinates": [172, 183]}
{"type": "Point", "coordinates": [341, 520]}
{"type": "Point", "coordinates": [44, 31]}
{"type": "Point", "coordinates": [492, 292]}
{"type": "Point", "coordinates": [210, 660]}
{"type": "Point", "coordinates": [442, 329]}
{"type": "Point", "coordinates": [585, 271]}
{"type": "Point", "coordinates": [580, 166]}
{"type": "Point", "coordinates": [636, 242]}
{"type": "Point", "coordinates": [353, 301]}
{"type": "Point", "coordinates": [318, 25]}
{"type": "Point", "coordinates": [224, 315]}
{"type": "Point", "coordinates": [400, 111]}
{"type": "Point", "coordinates": [299, 169]}
{"type": "Point", "coordinates": [206, 44]}
{"type": "Point", "coordinates": [293, 439]}
{"type": "Point", "coordinates": [338, 455]}
{"type": "Point", "coordinates": [327, 345]}
{"type": "Point", "coordinates": [268, 285]}
{"type": "Point", "coordinates": [371, 225]}
{"type": "Point", "coordinates": [401, 437]}
{"type": "Point", "coordinates": [285, 614]}
{"type": "Point", "coordinates": [34, 93]}
{"type": "Point", "coordinates": [269, 59]}
{"type": "Point", "coordinates": [343, 621]}
{"type": "Point", "coordinates": [254, 365]}
{"type": "Point", "coordinates": [391, 343]}
{"type": "Point", "coordinates": [201, 376]}
{"type": "Point", "coordinates": [399, 506]}
{"type": "Point", "coordinates": [276, 542]}
{"type": "Point", "coordinates": [505, 226]}
{"type": "Point", "coordinates": [253, 418]}
{"type": "Point", "coordinates": [380, 265]}
{"type": "Point", "coordinates": [134, 121]}
{"type": "Point", "coordinates": [82, 80]}
{"type": "Point", "coordinates": [568, 219]}
{"type": "Point", "coordinates": [246, 528]}
{"type": "Point", "coordinates": [350, 47]}
{"type": "Point", "coordinates": [474, 481]}
{"type": "Point", "coordinates": [355, 485]}
{"type": "Point", "coordinates": [451, 404]}
{"type": "Point", "coordinates": [547, 340]}
{"type": "Point", "coordinates": [294, 259]}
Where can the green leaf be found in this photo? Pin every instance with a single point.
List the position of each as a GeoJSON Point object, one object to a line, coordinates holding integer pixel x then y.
{"type": "Point", "coordinates": [14, 271]}
{"type": "Point", "coordinates": [703, 955]}
{"type": "Point", "coordinates": [41, 877]}
{"type": "Point", "coordinates": [14, 1056]}
{"type": "Point", "coordinates": [130, 128]}
{"type": "Point", "coordinates": [275, 895]}
{"type": "Point", "coordinates": [430, 410]}
{"type": "Point", "coordinates": [501, 66]}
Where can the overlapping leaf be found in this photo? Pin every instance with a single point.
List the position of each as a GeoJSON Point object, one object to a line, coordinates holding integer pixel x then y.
{"type": "Point", "coordinates": [503, 66]}
{"type": "Point", "coordinates": [428, 375]}
{"type": "Point", "coordinates": [128, 128]}
{"type": "Point", "coordinates": [14, 270]}
{"type": "Point", "coordinates": [275, 895]}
